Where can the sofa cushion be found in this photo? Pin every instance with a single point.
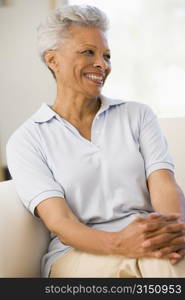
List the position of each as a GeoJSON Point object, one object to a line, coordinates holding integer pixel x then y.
{"type": "Point", "coordinates": [174, 130]}
{"type": "Point", "coordinates": [23, 237]}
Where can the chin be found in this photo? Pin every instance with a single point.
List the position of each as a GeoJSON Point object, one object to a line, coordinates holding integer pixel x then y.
{"type": "Point", "coordinates": [95, 93]}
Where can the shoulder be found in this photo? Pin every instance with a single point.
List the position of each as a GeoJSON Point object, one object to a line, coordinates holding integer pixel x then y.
{"type": "Point", "coordinates": [127, 105]}
{"type": "Point", "coordinates": [137, 108]}
{"type": "Point", "coordinates": [133, 109]}
{"type": "Point", "coordinates": [26, 134]}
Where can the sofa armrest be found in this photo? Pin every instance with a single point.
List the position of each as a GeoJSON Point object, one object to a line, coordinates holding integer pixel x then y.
{"type": "Point", "coordinates": [24, 239]}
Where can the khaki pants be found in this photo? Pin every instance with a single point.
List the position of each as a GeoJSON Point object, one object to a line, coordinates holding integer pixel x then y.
{"type": "Point", "coordinates": [79, 264]}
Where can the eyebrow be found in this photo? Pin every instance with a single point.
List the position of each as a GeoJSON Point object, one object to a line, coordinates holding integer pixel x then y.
{"type": "Point", "coordinates": [90, 45]}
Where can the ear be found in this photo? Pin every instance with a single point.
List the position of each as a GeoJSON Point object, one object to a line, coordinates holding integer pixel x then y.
{"type": "Point", "coordinates": [51, 60]}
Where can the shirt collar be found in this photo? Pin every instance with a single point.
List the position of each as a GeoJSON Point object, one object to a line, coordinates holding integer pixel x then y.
{"type": "Point", "coordinates": [45, 113]}
{"type": "Point", "coordinates": [107, 102]}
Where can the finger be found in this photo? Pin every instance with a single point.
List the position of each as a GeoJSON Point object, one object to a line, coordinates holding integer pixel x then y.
{"type": "Point", "coordinates": [162, 240]}
{"type": "Point", "coordinates": [163, 227]}
{"type": "Point", "coordinates": [174, 261]}
{"type": "Point", "coordinates": [153, 226]}
{"type": "Point", "coordinates": [169, 217]}
{"type": "Point", "coordinates": [173, 216]}
{"type": "Point", "coordinates": [168, 252]}
{"type": "Point", "coordinates": [171, 252]}
{"type": "Point", "coordinates": [180, 240]}
{"type": "Point", "coordinates": [155, 222]}
{"type": "Point", "coordinates": [175, 227]}
{"type": "Point", "coordinates": [152, 254]}
{"type": "Point", "coordinates": [181, 254]}
{"type": "Point", "coordinates": [175, 256]}
{"type": "Point", "coordinates": [154, 215]}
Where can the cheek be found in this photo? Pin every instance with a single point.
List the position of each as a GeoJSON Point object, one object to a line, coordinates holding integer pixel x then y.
{"type": "Point", "coordinates": [109, 69]}
{"type": "Point", "coordinates": [66, 72]}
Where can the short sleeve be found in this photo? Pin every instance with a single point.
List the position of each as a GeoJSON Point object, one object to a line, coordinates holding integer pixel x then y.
{"type": "Point", "coordinates": [153, 144]}
{"type": "Point", "coordinates": [33, 178]}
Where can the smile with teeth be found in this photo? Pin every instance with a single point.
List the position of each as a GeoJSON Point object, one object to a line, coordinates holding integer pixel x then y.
{"type": "Point", "coordinates": [95, 78]}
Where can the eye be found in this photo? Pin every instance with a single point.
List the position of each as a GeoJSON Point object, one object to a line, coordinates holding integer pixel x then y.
{"type": "Point", "coordinates": [107, 56]}
{"type": "Point", "coordinates": [88, 52]}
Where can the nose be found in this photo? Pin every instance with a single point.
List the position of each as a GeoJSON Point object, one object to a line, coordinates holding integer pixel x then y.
{"type": "Point", "coordinates": [101, 63]}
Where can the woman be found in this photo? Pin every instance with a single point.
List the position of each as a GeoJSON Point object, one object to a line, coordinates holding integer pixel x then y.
{"type": "Point", "coordinates": [96, 170]}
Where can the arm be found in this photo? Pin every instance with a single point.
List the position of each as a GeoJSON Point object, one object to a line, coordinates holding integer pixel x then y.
{"type": "Point", "coordinates": [166, 196]}
{"type": "Point", "coordinates": [60, 219]}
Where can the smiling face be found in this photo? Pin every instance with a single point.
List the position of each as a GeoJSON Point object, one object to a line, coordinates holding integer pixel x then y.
{"type": "Point", "coordinates": [82, 62]}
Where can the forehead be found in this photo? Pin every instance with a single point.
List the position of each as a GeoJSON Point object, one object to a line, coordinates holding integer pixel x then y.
{"type": "Point", "coordinates": [80, 35]}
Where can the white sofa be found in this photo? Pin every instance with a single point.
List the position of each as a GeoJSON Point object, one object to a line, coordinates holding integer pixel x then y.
{"type": "Point", "coordinates": [24, 239]}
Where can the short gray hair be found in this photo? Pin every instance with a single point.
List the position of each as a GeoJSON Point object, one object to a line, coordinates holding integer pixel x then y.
{"type": "Point", "coordinates": [50, 31]}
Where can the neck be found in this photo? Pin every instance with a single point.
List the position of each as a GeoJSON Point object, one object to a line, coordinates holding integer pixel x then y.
{"type": "Point", "coordinates": [75, 106]}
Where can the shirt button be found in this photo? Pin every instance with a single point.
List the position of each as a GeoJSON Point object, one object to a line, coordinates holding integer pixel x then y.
{"type": "Point", "coordinates": [97, 131]}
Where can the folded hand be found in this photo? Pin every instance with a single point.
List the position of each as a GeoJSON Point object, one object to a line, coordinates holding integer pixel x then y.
{"type": "Point", "coordinates": [161, 236]}
{"type": "Point", "coordinates": [165, 236]}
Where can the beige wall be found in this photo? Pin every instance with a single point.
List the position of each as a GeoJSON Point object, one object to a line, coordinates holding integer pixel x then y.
{"type": "Point", "coordinates": [1, 174]}
{"type": "Point", "coordinates": [1, 170]}
{"type": "Point", "coordinates": [24, 80]}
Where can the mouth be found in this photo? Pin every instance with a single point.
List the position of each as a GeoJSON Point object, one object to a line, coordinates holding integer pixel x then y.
{"type": "Point", "coordinates": [97, 78]}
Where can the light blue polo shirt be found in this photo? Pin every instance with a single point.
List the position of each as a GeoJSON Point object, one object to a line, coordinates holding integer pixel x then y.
{"type": "Point", "coordinates": [102, 180]}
